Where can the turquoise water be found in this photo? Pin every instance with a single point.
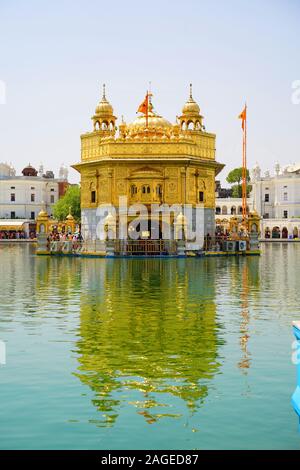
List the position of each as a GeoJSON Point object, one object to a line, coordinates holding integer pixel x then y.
{"type": "Point", "coordinates": [148, 353]}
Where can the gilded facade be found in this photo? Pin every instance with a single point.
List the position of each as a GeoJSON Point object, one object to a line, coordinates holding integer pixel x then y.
{"type": "Point", "coordinates": [149, 160]}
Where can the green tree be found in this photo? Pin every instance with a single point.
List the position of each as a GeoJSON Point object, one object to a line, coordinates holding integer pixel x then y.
{"type": "Point", "coordinates": [71, 199]}
{"type": "Point", "coordinates": [235, 176]}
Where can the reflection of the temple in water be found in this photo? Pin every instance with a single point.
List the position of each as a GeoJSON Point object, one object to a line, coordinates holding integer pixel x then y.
{"type": "Point", "coordinates": [148, 331]}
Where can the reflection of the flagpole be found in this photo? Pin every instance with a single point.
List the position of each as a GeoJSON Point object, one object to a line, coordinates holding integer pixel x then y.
{"type": "Point", "coordinates": [244, 328]}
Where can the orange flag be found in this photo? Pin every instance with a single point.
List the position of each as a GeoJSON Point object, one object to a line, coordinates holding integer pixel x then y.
{"type": "Point", "coordinates": [143, 107]}
{"type": "Point", "coordinates": [243, 117]}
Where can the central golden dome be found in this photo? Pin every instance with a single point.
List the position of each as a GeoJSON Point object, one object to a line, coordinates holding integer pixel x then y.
{"type": "Point", "coordinates": [156, 124]}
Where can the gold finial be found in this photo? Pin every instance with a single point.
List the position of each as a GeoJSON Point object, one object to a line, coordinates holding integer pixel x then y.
{"type": "Point", "coordinates": [69, 216]}
{"type": "Point", "coordinates": [104, 97]}
{"type": "Point", "coordinates": [191, 90]}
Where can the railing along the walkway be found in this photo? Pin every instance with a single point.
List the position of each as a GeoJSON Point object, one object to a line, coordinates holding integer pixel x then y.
{"type": "Point", "coordinates": [145, 247]}
{"type": "Point", "coordinates": [75, 246]}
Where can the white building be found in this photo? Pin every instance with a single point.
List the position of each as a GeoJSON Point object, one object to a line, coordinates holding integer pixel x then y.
{"type": "Point", "coordinates": [276, 198]}
{"type": "Point", "coordinates": [23, 197]}
{"type": "Point", "coordinates": [230, 206]}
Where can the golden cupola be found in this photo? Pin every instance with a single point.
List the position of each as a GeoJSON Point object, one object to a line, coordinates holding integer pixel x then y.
{"type": "Point", "coordinates": [156, 125]}
{"type": "Point", "coordinates": [191, 119]}
{"type": "Point", "coordinates": [104, 119]}
{"type": "Point", "coordinates": [150, 125]}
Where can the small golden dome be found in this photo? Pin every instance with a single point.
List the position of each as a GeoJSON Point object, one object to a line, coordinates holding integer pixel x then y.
{"type": "Point", "coordinates": [122, 125]}
{"type": "Point", "coordinates": [104, 108]}
{"type": "Point", "coordinates": [69, 216]}
{"type": "Point", "coordinates": [110, 218]}
{"type": "Point", "coordinates": [180, 219]}
{"type": "Point", "coordinates": [42, 214]}
{"type": "Point", "coordinates": [191, 107]}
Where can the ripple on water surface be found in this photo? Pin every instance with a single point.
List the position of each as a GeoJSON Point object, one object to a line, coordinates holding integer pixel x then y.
{"type": "Point", "coordinates": [148, 353]}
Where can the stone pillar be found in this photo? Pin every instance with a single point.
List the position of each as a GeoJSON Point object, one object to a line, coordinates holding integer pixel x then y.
{"type": "Point", "coordinates": [42, 243]}
{"type": "Point", "coordinates": [181, 248]}
{"type": "Point", "coordinates": [42, 231]}
{"type": "Point", "coordinates": [180, 228]}
{"type": "Point", "coordinates": [110, 248]}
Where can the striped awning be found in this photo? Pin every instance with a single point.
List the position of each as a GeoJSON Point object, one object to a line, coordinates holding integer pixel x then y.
{"type": "Point", "coordinates": [11, 224]}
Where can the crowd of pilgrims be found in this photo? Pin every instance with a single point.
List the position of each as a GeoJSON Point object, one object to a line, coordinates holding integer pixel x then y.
{"type": "Point", "coordinates": [15, 235]}
{"type": "Point", "coordinates": [64, 236]}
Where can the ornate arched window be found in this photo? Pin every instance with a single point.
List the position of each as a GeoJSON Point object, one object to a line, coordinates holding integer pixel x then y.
{"type": "Point", "coordinates": [133, 189]}
{"type": "Point", "coordinates": [159, 190]}
{"type": "Point", "coordinates": [146, 189]}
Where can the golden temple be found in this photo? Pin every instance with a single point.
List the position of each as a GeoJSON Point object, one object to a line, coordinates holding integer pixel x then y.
{"type": "Point", "coordinates": [149, 161]}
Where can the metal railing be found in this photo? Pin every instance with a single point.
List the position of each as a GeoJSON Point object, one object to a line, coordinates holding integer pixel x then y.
{"type": "Point", "coordinates": [75, 246]}
{"type": "Point", "coordinates": [145, 247]}
{"type": "Point", "coordinates": [216, 242]}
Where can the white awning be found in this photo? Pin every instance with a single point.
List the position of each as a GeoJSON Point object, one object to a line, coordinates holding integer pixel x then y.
{"type": "Point", "coordinates": [12, 224]}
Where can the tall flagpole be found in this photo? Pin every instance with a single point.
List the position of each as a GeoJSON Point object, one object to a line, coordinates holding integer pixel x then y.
{"type": "Point", "coordinates": [147, 107]}
{"type": "Point", "coordinates": [244, 171]}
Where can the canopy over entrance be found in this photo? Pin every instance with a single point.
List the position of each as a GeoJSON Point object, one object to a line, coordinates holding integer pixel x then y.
{"type": "Point", "coordinates": [6, 224]}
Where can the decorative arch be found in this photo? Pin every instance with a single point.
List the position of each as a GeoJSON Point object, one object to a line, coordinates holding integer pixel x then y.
{"type": "Point", "coordinates": [146, 189]}
{"type": "Point", "coordinates": [224, 210]}
{"type": "Point", "coordinates": [233, 210]}
{"type": "Point", "coordinates": [218, 210]}
{"type": "Point", "coordinates": [133, 190]}
{"type": "Point", "coordinates": [276, 232]}
{"type": "Point", "coordinates": [267, 232]}
{"type": "Point", "coordinates": [159, 189]}
{"type": "Point", "coordinates": [284, 232]}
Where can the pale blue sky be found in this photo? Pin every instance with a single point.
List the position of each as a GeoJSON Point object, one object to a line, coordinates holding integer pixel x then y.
{"type": "Point", "coordinates": [55, 55]}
